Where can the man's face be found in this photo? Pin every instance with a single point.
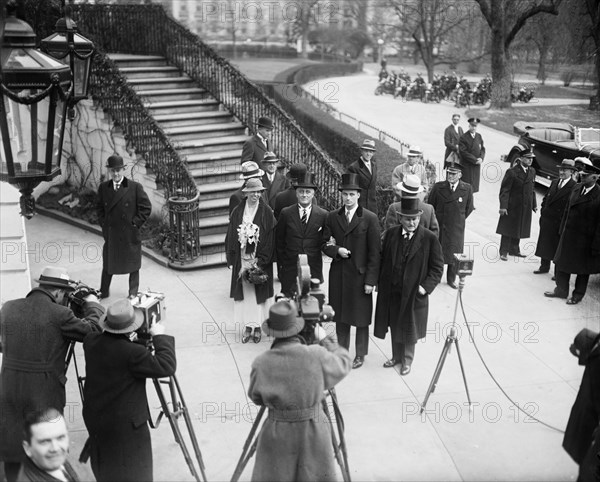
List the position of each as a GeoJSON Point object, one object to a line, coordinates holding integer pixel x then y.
{"type": "Point", "coordinates": [453, 177]}
{"type": "Point", "coordinates": [472, 128]}
{"type": "Point", "coordinates": [526, 161]}
{"type": "Point", "coordinates": [305, 196]}
{"type": "Point", "coordinates": [49, 444]}
{"type": "Point", "coordinates": [270, 167]}
{"type": "Point", "coordinates": [412, 160]}
{"type": "Point", "coordinates": [367, 154]}
{"type": "Point", "coordinates": [564, 173]}
{"type": "Point", "coordinates": [410, 223]}
{"type": "Point", "coordinates": [265, 132]}
{"type": "Point", "coordinates": [350, 198]}
{"type": "Point", "coordinates": [116, 173]}
{"type": "Point", "coordinates": [455, 119]}
{"type": "Point", "coordinates": [589, 180]}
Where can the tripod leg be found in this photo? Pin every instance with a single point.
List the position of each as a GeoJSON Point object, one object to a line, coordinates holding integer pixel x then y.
{"type": "Point", "coordinates": [437, 373]}
{"type": "Point", "coordinates": [341, 428]}
{"type": "Point", "coordinates": [462, 369]}
{"type": "Point", "coordinates": [249, 447]}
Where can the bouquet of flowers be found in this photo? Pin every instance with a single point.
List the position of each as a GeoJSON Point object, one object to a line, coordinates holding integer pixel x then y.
{"type": "Point", "coordinates": [255, 275]}
{"type": "Point", "coordinates": [248, 234]}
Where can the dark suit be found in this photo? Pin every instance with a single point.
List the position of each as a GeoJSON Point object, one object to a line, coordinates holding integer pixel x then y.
{"type": "Point", "coordinates": [367, 180]}
{"type": "Point", "coordinates": [115, 407]}
{"type": "Point", "coordinates": [280, 183]}
{"type": "Point", "coordinates": [254, 150]}
{"type": "Point", "coordinates": [451, 138]}
{"type": "Point", "coordinates": [294, 238]}
{"type": "Point", "coordinates": [469, 149]}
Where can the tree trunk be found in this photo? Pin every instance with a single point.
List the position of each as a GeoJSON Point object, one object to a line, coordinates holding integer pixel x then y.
{"type": "Point", "coordinates": [500, 61]}
{"type": "Point", "coordinates": [541, 73]}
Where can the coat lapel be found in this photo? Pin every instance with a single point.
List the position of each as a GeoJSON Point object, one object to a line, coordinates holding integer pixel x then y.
{"type": "Point", "coordinates": [415, 242]}
{"type": "Point", "coordinates": [558, 194]}
{"type": "Point", "coordinates": [355, 220]}
{"type": "Point", "coordinates": [118, 195]}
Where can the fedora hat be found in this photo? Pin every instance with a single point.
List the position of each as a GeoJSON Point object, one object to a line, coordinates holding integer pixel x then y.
{"type": "Point", "coordinates": [296, 171]}
{"type": "Point", "coordinates": [56, 277]}
{"type": "Point", "coordinates": [307, 180]}
{"type": "Point", "coordinates": [411, 184]}
{"type": "Point", "coordinates": [121, 317]}
{"type": "Point", "coordinates": [250, 169]}
{"type": "Point", "coordinates": [283, 320]}
{"type": "Point", "coordinates": [349, 181]}
{"type": "Point", "coordinates": [567, 164]}
{"type": "Point", "coordinates": [409, 207]}
{"type": "Point", "coordinates": [270, 157]}
{"type": "Point", "coordinates": [368, 145]}
{"type": "Point", "coordinates": [115, 162]}
{"type": "Point", "coordinates": [253, 185]}
{"type": "Point", "coordinates": [265, 122]}
{"type": "Point", "coordinates": [415, 151]}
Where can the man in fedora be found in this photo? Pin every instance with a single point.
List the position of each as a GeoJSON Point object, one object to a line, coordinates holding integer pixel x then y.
{"type": "Point", "coordinates": [452, 200]}
{"type": "Point", "coordinates": [410, 187]}
{"type": "Point", "coordinates": [290, 379]}
{"type": "Point", "coordinates": [412, 264]}
{"type": "Point", "coordinates": [352, 240]}
{"type": "Point", "coordinates": [472, 152]}
{"type": "Point", "coordinates": [300, 230]}
{"type": "Point", "coordinates": [452, 135]}
{"type": "Point", "coordinates": [288, 197]}
{"type": "Point", "coordinates": [115, 406]}
{"type": "Point", "coordinates": [414, 165]}
{"type": "Point", "coordinates": [255, 147]}
{"type": "Point", "coordinates": [366, 170]}
{"type": "Point", "coordinates": [578, 250]}
{"type": "Point", "coordinates": [517, 201]}
{"type": "Point", "coordinates": [553, 207]}
{"type": "Point", "coordinates": [35, 334]}
{"type": "Point", "coordinates": [123, 207]}
{"type": "Point", "coordinates": [250, 170]}
{"type": "Point", "coordinates": [273, 180]}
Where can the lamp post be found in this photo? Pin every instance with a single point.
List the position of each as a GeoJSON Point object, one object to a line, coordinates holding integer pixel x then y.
{"type": "Point", "coordinates": [379, 49]}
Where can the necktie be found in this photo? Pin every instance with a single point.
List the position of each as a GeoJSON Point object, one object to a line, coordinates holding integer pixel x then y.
{"type": "Point", "coordinates": [584, 191]}
{"type": "Point", "coordinates": [561, 184]}
{"type": "Point", "coordinates": [117, 186]}
{"type": "Point", "coordinates": [348, 216]}
{"type": "Point", "coordinates": [304, 216]}
{"type": "Point", "coordinates": [368, 166]}
{"type": "Point", "coordinates": [453, 187]}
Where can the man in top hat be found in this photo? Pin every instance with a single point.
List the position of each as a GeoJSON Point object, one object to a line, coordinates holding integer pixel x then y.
{"type": "Point", "coordinates": [35, 334]}
{"type": "Point", "coordinates": [472, 152]}
{"type": "Point", "coordinates": [300, 230]}
{"type": "Point", "coordinates": [413, 165]}
{"type": "Point", "coordinates": [273, 180]}
{"type": "Point", "coordinates": [123, 207]}
{"type": "Point", "coordinates": [115, 406]}
{"type": "Point", "coordinates": [578, 250]}
{"type": "Point", "coordinates": [453, 203]}
{"type": "Point", "coordinates": [255, 147]}
{"type": "Point", "coordinates": [452, 135]}
{"type": "Point", "coordinates": [288, 197]}
{"type": "Point", "coordinates": [517, 201]}
{"type": "Point", "coordinates": [366, 170]}
{"type": "Point", "coordinates": [250, 170]}
{"type": "Point", "coordinates": [553, 207]}
{"type": "Point", "coordinates": [411, 267]}
{"type": "Point", "coordinates": [352, 240]}
{"type": "Point", "coordinates": [410, 187]}
{"type": "Point", "coordinates": [290, 379]}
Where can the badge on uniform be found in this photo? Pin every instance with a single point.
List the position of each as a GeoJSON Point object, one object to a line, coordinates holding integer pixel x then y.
{"type": "Point", "coordinates": [460, 199]}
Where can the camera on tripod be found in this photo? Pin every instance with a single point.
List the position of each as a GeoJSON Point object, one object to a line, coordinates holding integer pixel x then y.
{"type": "Point", "coordinates": [76, 299]}
{"type": "Point", "coordinates": [152, 305]}
{"type": "Point", "coordinates": [463, 265]}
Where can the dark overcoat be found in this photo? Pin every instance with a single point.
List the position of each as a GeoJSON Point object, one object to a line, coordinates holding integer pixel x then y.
{"type": "Point", "coordinates": [451, 138]}
{"type": "Point", "coordinates": [29, 472]}
{"type": "Point", "coordinates": [578, 250]}
{"type": "Point", "coordinates": [238, 196]}
{"type": "Point", "coordinates": [553, 207]}
{"type": "Point", "coordinates": [428, 218]}
{"type": "Point", "coordinates": [280, 183]}
{"type": "Point", "coordinates": [121, 214]}
{"type": "Point", "coordinates": [517, 196]}
{"type": "Point", "coordinates": [452, 208]}
{"type": "Point", "coordinates": [399, 304]}
{"type": "Point", "coordinates": [470, 148]}
{"type": "Point", "coordinates": [35, 334]}
{"type": "Point", "coordinates": [265, 250]}
{"type": "Point", "coordinates": [115, 406]}
{"type": "Point", "coordinates": [254, 149]}
{"type": "Point", "coordinates": [287, 198]}
{"type": "Point", "coordinates": [367, 180]}
{"type": "Point", "coordinates": [348, 276]}
{"type": "Point", "coordinates": [295, 441]}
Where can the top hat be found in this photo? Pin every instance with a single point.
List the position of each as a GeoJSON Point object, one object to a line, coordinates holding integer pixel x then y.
{"type": "Point", "coordinates": [567, 164]}
{"type": "Point", "coordinates": [307, 180]}
{"type": "Point", "coordinates": [415, 151]}
{"type": "Point", "coordinates": [296, 171]}
{"type": "Point", "coordinates": [253, 185]}
{"type": "Point", "coordinates": [411, 185]}
{"type": "Point", "coordinates": [270, 157]}
{"type": "Point", "coordinates": [250, 169]}
{"type": "Point", "coordinates": [409, 206]}
{"type": "Point", "coordinates": [121, 317]}
{"type": "Point", "coordinates": [115, 162]}
{"type": "Point", "coordinates": [474, 121]}
{"type": "Point", "coordinates": [56, 277]}
{"type": "Point", "coordinates": [265, 122]}
{"type": "Point", "coordinates": [349, 181]}
{"type": "Point", "coordinates": [368, 145]}
{"type": "Point", "coordinates": [283, 320]}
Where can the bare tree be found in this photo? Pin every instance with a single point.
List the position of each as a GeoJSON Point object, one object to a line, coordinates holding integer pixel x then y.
{"type": "Point", "coordinates": [593, 8]}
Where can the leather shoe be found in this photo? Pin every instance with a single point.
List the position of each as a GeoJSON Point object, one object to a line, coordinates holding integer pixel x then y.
{"type": "Point", "coordinates": [540, 271]}
{"type": "Point", "coordinates": [573, 300]}
{"type": "Point", "coordinates": [392, 362]}
{"type": "Point", "coordinates": [247, 334]}
{"type": "Point", "coordinates": [504, 257]}
{"type": "Point", "coordinates": [405, 370]}
{"type": "Point", "coordinates": [518, 255]}
{"type": "Point", "coordinates": [257, 335]}
{"type": "Point", "coordinates": [358, 362]}
{"type": "Point", "coordinates": [453, 285]}
{"type": "Point", "coordinates": [554, 294]}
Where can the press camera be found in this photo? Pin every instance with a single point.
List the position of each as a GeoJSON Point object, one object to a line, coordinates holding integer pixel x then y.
{"type": "Point", "coordinates": [152, 305]}
{"type": "Point", "coordinates": [76, 299]}
{"type": "Point", "coordinates": [463, 265]}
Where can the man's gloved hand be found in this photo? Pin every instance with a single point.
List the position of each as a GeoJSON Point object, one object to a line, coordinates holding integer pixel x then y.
{"type": "Point", "coordinates": [91, 297]}
{"type": "Point", "coordinates": [157, 329]}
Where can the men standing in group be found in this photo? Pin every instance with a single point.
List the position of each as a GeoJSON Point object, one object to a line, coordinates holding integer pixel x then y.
{"type": "Point", "coordinates": [411, 267]}
{"type": "Point", "coordinates": [299, 230]}
{"type": "Point", "coordinates": [413, 165]}
{"type": "Point", "coordinates": [553, 206]}
{"type": "Point", "coordinates": [451, 137]}
{"type": "Point", "coordinates": [578, 250]}
{"type": "Point", "coordinates": [354, 247]}
{"type": "Point", "coordinates": [255, 147]}
{"type": "Point", "coordinates": [288, 197]}
{"type": "Point", "coordinates": [453, 203]}
{"type": "Point", "coordinates": [250, 170]}
{"type": "Point", "coordinates": [472, 153]}
{"type": "Point", "coordinates": [123, 207]}
{"type": "Point", "coordinates": [517, 201]}
{"type": "Point", "coordinates": [366, 170]}
{"type": "Point", "coordinates": [273, 181]}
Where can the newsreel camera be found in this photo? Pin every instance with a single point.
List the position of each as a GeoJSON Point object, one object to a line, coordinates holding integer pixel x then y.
{"type": "Point", "coordinates": [463, 265]}
{"type": "Point", "coordinates": [152, 305]}
{"type": "Point", "coordinates": [75, 299]}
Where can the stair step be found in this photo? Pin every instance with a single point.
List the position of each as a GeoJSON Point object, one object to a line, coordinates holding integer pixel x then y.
{"type": "Point", "coordinates": [160, 95]}
{"type": "Point", "coordinates": [214, 190]}
{"type": "Point", "coordinates": [210, 207]}
{"type": "Point", "coordinates": [215, 156]}
{"type": "Point", "coordinates": [192, 118]}
{"type": "Point", "coordinates": [214, 168]}
{"type": "Point", "coordinates": [213, 224]}
{"type": "Point", "coordinates": [204, 131]}
{"type": "Point", "coordinates": [212, 144]}
{"type": "Point", "coordinates": [167, 83]}
{"type": "Point", "coordinates": [150, 72]}
{"type": "Point", "coordinates": [182, 106]}
{"type": "Point", "coordinates": [129, 60]}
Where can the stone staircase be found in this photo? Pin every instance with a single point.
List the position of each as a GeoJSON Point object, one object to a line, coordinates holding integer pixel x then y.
{"type": "Point", "coordinates": [206, 135]}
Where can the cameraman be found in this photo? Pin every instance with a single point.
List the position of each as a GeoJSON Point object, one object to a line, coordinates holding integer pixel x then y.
{"type": "Point", "coordinates": [35, 333]}
{"type": "Point", "coordinates": [115, 407]}
{"type": "Point", "coordinates": [290, 379]}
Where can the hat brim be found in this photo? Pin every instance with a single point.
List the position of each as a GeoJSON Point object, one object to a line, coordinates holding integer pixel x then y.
{"type": "Point", "coordinates": [291, 331]}
{"type": "Point", "coordinates": [310, 186]}
{"type": "Point", "coordinates": [138, 319]}
{"type": "Point", "coordinates": [56, 284]}
{"type": "Point", "coordinates": [254, 189]}
{"type": "Point", "coordinates": [420, 189]}
{"type": "Point", "coordinates": [259, 173]}
{"type": "Point", "coordinates": [411, 214]}
{"type": "Point", "coordinates": [349, 187]}
{"type": "Point", "coordinates": [562, 166]}
{"type": "Point", "coordinates": [367, 148]}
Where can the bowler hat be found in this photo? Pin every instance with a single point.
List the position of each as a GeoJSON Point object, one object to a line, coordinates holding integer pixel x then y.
{"type": "Point", "coordinates": [474, 121]}
{"type": "Point", "coordinates": [368, 145]}
{"type": "Point", "coordinates": [270, 157]}
{"type": "Point", "coordinates": [115, 162]}
{"type": "Point", "coordinates": [121, 317]}
{"type": "Point", "coordinates": [283, 320]}
{"type": "Point", "coordinates": [253, 185]}
{"type": "Point", "coordinates": [349, 181]}
{"type": "Point", "coordinates": [411, 184]}
{"type": "Point", "coordinates": [567, 164]}
{"type": "Point", "coordinates": [296, 171]}
{"type": "Point", "coordinates": [250, 169]}
{"type": "Point", "coordinates": [409, 206]}
{"type": "Point", "coordinates": [265, 122]}
{"type": "Point", "coordinates": [415, 151]}
{"type": "Point", "coordinates": [56, 277]}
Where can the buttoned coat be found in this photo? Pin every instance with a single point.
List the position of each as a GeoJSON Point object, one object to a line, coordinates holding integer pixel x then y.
{"type": "Point", "coordinates": [451, 138]}
{"type": "Point", "coordinates": [469, 149]}
{"type": "Point", "coordinates": [452, 208]}
{"type": "Point", "coordinates": [400, 307]}
{"type": "Point", "coordinates": [367, 180]}
{"type": "Point", "coordinates": [554, 204]}
{"type": "Point", "coordinates": [254, 150]}
{"type": "Point", "coordinates": [417, 169]}
{"type": "Point", "coordinates": [35, 334]}
{"type": "Point", "coordinates": [348, 276]}
{"type": "Point", "coordinates": [121, 214]}
{"type": "Point", "coordinates": [517, 196]}
{"type": "Point", "coordinates": [428, 218]}
{"type": "Point", "coordinates": [578, 250]}
{"type": "Point", "coordinates": [280, 183]}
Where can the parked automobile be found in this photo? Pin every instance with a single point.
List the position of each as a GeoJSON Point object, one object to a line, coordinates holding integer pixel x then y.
{"type": "Point", "coordinates": [551, 143]}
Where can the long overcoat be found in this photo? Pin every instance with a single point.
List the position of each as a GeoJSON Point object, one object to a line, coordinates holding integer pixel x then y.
{"type": "Point", "coordinates": [469, 149]}
{"type": "Point", "coordinates": [348, 276]}
{"type": "Point", "coordinates": [553, 207]}
{"type": "Point", "coordinates": [367, 180]}
{"type": "Point", "coordinates": [451, 138]}
{"type": "Point", "coordinates": [35, 334]}
{"type": "Point", "coordinates": [428, 218]}
{"type": "Point", "coordinates": [517, 196]}
{"type": "Point", "coordinates": [406, 312]}
{"type": "Point", "coordinates": [452, 208]}
{"type": "Point", "coordinates": [121, 214]}
{"type": "Point", "coordinates": [265, 250]}
{"type": "Point", "coordinates": [579, 246]}
{"type": "Point", "coordinates": [280, 183]}
{"type": "Point", "coordinates": [254, 149]}
{"type": "Point", "coordinates": [289, 379]}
